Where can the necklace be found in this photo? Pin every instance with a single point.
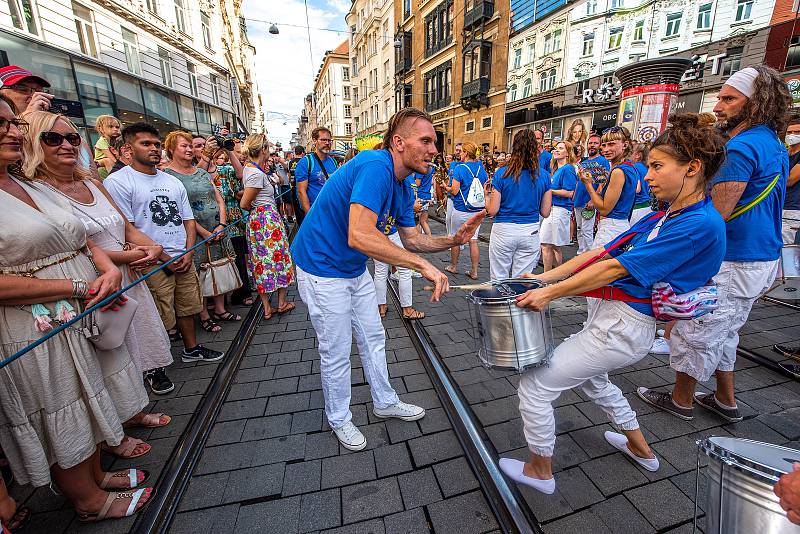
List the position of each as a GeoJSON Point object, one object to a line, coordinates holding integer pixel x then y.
{"type": "Point", "coordinates": [55, 185]}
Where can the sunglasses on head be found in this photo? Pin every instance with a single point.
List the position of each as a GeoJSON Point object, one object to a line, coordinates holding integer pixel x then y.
{"type": "Point", "coordinates": [55, 138]}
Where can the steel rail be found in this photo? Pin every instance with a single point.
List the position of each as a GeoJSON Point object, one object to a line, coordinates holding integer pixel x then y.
{"type": "Point", "coordinates": [511, 510]}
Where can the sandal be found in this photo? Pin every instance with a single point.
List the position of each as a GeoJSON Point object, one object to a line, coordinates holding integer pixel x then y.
{"type": "Point", "coordinates": [268, 316]}
{"type": "Point", "coordinates": [134, 496]}
{"type": "Point", "coordinates": [450, 269]}
{"type": "Point", "coordinates": [20, 519]}
{"type": "Point", "coordinates": [286, 308]}
{"type": "Point", "coordinates": [210, 326]}
{"type": "Point", "coordinates": [226, 316]}
{"type": "Point", "coordinates": [174, 335]}
{"type": "Point", "coordinates": [150, 420]}
{"type": "Point", "coordinates": [127, 447]}
{"type": "Point", "coordinates": [471, 276]}
{"type": "Point", "coordinates": [414, 315]}
{"type": "Point", "coordinates": [131, 474]}
{"type": "Point", "coordinates": [249, 301]}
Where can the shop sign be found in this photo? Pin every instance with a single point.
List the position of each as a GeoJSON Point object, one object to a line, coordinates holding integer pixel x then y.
{"type": "Point", "coordinates": [687, 103]}
{"type": "Point", "coordinates": [695, 72]}
{"type": "Point", "coordinates": [604, 119]}
{"type": "Point", "coordinates": [604, 93]}
{"type": "Point", "coordinates": [793, 84]}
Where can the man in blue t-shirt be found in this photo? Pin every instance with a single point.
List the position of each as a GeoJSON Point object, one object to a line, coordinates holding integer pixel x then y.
{"type": "Point", "coordinates": [349, 223]}
{"type": "Point", "coordinates": [313, 170]}
{"type": "Point", "coordinates": [545, 157]}
{"type": "Point", "coordinates": [582, 201]}
{"type": "Point", "coordinates": [748, 192]}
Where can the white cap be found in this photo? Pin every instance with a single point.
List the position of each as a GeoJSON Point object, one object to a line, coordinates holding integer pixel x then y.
{"type": "Point", "coordinates": [744, 81]}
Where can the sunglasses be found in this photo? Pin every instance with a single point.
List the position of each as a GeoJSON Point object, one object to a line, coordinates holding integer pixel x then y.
{"type": "Point", "coordinates": [56, 139]}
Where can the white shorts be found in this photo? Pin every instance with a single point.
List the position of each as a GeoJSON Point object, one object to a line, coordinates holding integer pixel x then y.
{"type": "Point", "coordinates": [789, 226]}
{"type": "Point", "coordinates": [701, 346]}
{"type": "Point", "coordinates": [555, 228]}
{"type": "Point", "coordinates": [448, 216]}
{"type": "Point", "coordinates": [640, 213]}
{"type": "Point", "coordinates": [607, 230]}
{"type": "Point", "coordinates": [513, 249]}
{"type": "Point", "coordinates": [458, 218]}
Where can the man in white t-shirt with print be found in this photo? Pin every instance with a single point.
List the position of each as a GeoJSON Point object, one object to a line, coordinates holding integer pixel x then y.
{"type": "Point", "coordinates": [158, 205]}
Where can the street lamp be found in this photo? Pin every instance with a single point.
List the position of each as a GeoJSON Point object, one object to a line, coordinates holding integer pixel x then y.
{"type": "Point", "coordinates": [273, 29]}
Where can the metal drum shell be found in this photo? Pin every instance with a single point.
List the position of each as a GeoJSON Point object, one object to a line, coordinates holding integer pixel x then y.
{"type": "Point", "coordinates": [511, 338]}
{"type": "Point", "coordinates": [748, 503]}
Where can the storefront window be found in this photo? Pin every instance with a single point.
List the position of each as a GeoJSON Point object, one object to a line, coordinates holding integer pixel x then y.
{"type": "Point", "coordinates": [94, 89]}
{"type": "Point", "coordinates": [216, 117]}
{"type": "Point", "coordinates": [188, 120]}
{"type": "Point", "coordinates": [128, 91]}
{"type": "Point", "coordinates": [162, 110]}
{"type": "Point", "coordinates": [42, 61]}
{"type": "Point", "coordinates": [203, 118]}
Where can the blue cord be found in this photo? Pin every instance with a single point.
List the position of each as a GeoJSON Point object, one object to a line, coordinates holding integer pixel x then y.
{"type": "Point", "coordinates": [114, 296]}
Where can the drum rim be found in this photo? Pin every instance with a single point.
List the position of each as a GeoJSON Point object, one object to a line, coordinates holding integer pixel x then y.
{"type": "Point", "coordinates": [504, 300]}
{"type": "Point", "coordinates": [740, 463]}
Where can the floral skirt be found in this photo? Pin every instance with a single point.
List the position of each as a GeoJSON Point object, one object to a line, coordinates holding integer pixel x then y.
{"type": "Point", "coordinates": [268, 259]}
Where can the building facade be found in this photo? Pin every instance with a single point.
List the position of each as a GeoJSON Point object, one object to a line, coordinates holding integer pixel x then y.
{"type": "Point", "coordinates": [154, 60]}
{"type": "Point", "coordinates": [307, 122]}
{"type": "Point", "coordinates": [561, 65]}
{"type": "Point", "coordinates": [369, 100]}
{"type": "Point", "coordinates": [329, 103]}
{"type": "Point", "coordinates": [451, 60]}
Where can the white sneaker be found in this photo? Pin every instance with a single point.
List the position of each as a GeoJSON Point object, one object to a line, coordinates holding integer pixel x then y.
{"type": "Point", "coordinates": [620, 442]}
{"type": "Point", "coordinates": [660, 346]}
{"type": "Point", "coordinates": [401, 410]}
{"type": "Point", "coordinates": [350, 437]}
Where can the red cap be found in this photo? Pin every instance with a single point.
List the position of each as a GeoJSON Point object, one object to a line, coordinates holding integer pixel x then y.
{"type": "Point", "coordinates": [13, 74]}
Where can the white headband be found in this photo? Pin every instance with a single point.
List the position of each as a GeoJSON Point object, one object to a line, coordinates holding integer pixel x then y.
{"type": "Point", "coordinates": [744, 81]}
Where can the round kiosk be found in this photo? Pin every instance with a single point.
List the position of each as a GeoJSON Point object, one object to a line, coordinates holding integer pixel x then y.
{"type": "Point", "coordinates": [648, 89]}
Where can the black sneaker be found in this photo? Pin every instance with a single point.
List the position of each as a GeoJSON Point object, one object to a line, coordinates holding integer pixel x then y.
{"type": "Point", "coordinates": [201, 354]}
{"type": "Point", "coordinates": [709, 402]}
{"type": "Point", "coordinates": [160, 384]}
{"type": "Point", "coordinates": [663, 401]}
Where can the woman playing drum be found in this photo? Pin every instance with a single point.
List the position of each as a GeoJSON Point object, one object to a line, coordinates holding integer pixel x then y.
{"type": "Point", "coordinates": [516, 197]}
{"type": "Point", "coordinates": [683, 247]}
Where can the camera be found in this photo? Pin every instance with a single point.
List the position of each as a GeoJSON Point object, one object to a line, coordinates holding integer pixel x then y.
{"type": "Point", "coordinates": [225, 142]}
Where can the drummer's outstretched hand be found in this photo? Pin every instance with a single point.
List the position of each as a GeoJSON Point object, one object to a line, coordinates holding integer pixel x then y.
{"type": "Point", "coordinates": [439, 279]}
{"type": "Point", "coordinates": [536, 299]}
{"type": "Point", "coordinates": [788, 491]}
{"type": "Point", "coordinates": [467, 230]}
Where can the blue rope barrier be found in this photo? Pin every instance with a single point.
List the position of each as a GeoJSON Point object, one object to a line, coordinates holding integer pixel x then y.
{"type": "Point", "coordinates": [116, 295]}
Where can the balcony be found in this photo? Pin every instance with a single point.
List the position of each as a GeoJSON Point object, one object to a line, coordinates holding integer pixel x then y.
{"type": "Point", "coordinates": [475, 88]}
{"type": "Point", "coordinates": [482, 12]}
{"type": "Point", "coordinates": [403, 65]}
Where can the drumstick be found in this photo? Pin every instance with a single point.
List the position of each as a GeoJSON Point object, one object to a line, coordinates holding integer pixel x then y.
{"type": "Point", "coordinates": [466, 287]}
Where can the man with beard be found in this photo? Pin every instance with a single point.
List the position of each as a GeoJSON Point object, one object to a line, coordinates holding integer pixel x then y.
{"type": "Point", "coordinates": [582, 201]}
{"type": "Point", "coordinates": [545, 157]}
{"type": "Point", "coordinates": [355, 211]}
{"type": "Point", "coordinates": [315, 169]}
{"type": "Point", "coordinates": [748, 192]}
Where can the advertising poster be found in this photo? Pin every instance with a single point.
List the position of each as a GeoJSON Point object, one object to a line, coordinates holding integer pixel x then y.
{"type": "Point", "coordinates": [627, 112]}
{"type": "Point", "coordinates": [653, 115]}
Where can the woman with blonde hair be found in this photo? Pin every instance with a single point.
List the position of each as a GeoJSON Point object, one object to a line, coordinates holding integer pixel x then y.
{"type": "Point", "coordinates": [555, 231]}
{"type": "Point", "coordinates": [269, 257]}
{"type": "Point", "coordinates": [59, 401]}
{"type": "Point", "coordinates": [210, 216]}
{"type": "Point", "coordinates": [463, 175]}
{"type": "Point", "coordinates": [577, 135]}
{"type": "Point", "coordinates": [108, 127]}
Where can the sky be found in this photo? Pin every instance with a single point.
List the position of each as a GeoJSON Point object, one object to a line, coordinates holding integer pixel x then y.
{"type": "Point", "coordinates": [283, 67]}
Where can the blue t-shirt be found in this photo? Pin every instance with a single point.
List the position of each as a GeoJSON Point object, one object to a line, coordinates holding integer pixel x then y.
{"type": "Point", "coordinates": [582, 197]}
{"type": "Point", "coordinates": [622, 210]}
{"type": "Point", "coordinates": [565, 177]}
{"type": "Point", "coordinates": [520, 200]}
{"type": "Point", "coordinates": [686, 253]}
{"type": "Point", "coordinates": [756, 156]}
{"type": "Point", "coordinates": [643, 195]}
{"type": "Point", "coordinates": [544, 160]}
{"type": "Point", "coordinates": [314, 175]}
{"type": "Point", "coordinates": [321, 246]}
{"type": "Point", "coordinates": [464, 173]}
{"type": "Point", "coordinates": [425, 183]}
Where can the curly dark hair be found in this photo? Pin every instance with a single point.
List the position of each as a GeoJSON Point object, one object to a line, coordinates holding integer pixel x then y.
{"type": "Point", "coordinates": [524, 155]}
{"type": "Point", "coordinates": [771, 101]}
{"type": "Point", "coordinates": [690, 137]}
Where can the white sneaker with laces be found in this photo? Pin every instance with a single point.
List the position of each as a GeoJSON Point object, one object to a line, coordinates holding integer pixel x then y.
{"type": "Point", "coordinates": [401, 410]}
{"type": "Point", "coordinates": [350, 437]}
{"type": "Point", "coordinates": [660, 346]}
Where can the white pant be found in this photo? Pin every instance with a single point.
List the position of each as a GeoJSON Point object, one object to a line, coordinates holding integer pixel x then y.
{"type": "Point", "coordinates": [403, 275]}
{"type": "Point", "coordinates": [448, 214]}
{"type": "Point", "coordinates": [701, 346]}
{"type": "Point", "coordinates": [607, 230]}
{"type": "Point", "coordinates": [340, 309]}
{"type": "Point", "coordinates": [513, 249]}
{"type": "Point", "coordinates": [789, 225]}
{"type": "Point", "coordinates": [640, 213]}
{"type": "Point", "coordinates": [555, 228]}
{"type": "Point", "coordinates": [585, 231]}
{"type": "Point", "coordinates": [615, 336]}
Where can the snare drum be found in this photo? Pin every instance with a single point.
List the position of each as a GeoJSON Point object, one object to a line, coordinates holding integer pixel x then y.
{"type": "Point", "coordinates": [739, 494]}
{"type": "Point", "coordinates": [509, 337]}
{"type": "Point", "coordinates": [788, 281]}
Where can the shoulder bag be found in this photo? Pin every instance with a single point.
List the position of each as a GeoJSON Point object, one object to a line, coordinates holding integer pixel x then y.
{"type": "Point", "coordinates": [218, 277]}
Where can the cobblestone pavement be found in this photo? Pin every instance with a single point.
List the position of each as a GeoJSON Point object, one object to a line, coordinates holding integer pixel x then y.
{"type": "Point", "coordinates": [272, 465]}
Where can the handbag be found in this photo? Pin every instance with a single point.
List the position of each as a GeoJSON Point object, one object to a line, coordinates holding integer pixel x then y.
{"type": "Point", "coordinates": [106, 330]}
{"type": "Point", "coordinates": [220, 276]}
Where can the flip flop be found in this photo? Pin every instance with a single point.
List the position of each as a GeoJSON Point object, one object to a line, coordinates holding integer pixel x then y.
{"type": "Point", "coordinates": [126, 448]}
{"type": "Point", "coordinates": [471, 276]}
{"type": "Point", "coordinates": [134, 496]}
{"type": "Point", "coordinates": [451, 270]}
{"type": "Point", "coordinates": [286, 308]}
{"type": "Point", "coordinates": [414, 315]}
